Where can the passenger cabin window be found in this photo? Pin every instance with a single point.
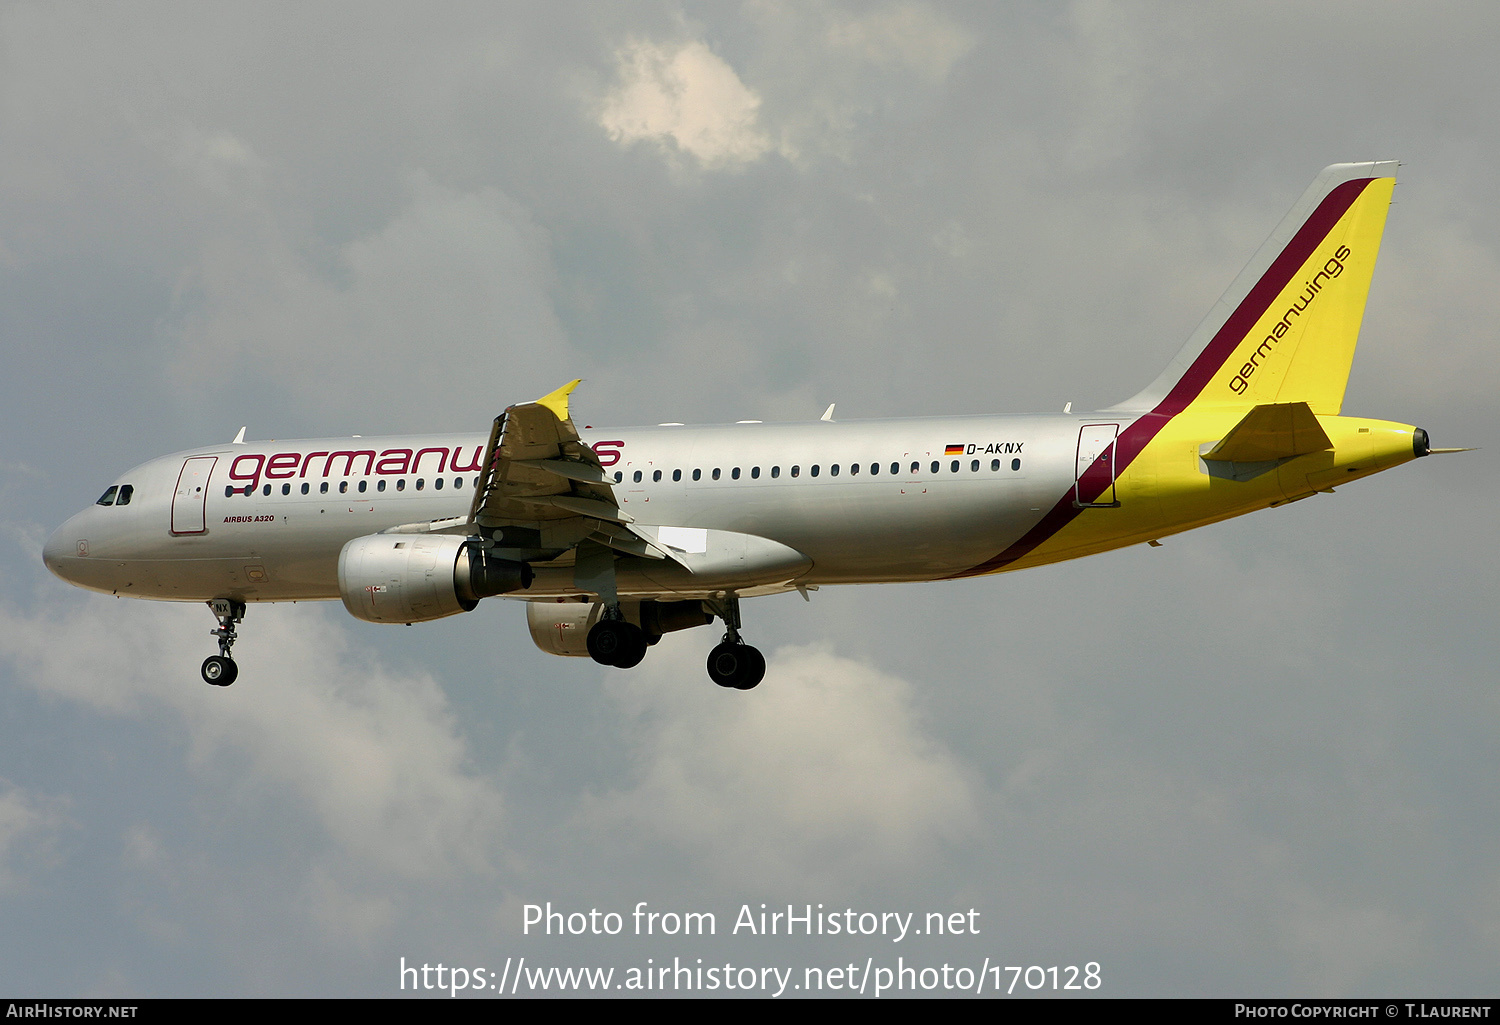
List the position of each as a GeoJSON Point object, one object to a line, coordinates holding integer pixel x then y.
{"type": "Point", "coordinates": [796, 471]}
{"type": "Point", "coordinates": [716, 473]}
{"type": "Point", "coordinates": [401, 484]}
{"type": "Point", "coordinates": [735, 473]}
{"type": "Point", "coordinates": [228, 491]}
{"type": "Point", "coordinates": [655, 476]}
{"type": "Point", "coordinates": [697, 475]}
{"type": "Point", "coordinates": [362, 485]}
{"type": "Point", "coordinates": [343, 487]}
{"type": "Point", "coordinates": [915, 467]}
{"type": "Point", "coordinates": [286, 489]}
{"type": "Point", "coordinates": [126, 490]}
{"type": "Point", "coordinates": [637, 477]}
{"type": "Point", "coordinates": [1015, 464]}
{"type": "Point", "coordinates": [304, 487]}
{"type": "Point", "coordinates": [420, 482]}
{"type": "Point", "coordinates": [994, 464]}
{"type": "Point", "coordinates": [954, 467]}
{"type": "Point", "coordinates": [266, 491]}
{"type": "Point", "coordinates": [874, 468]}
{"type": "Point", "coordinates": [934, 466]}
{"type": "Point", "coordinates": [380, 484]}
{"type": "Point", "coordinates": [677, 475]}
{"type": "Point", "coordinates": [323, 488]}
{"type": "Point", "coordinates": [854, 469]}
{"type": "Point", "coordinates": [108, 498]}
{"type": "Point", "coordinates": [437, 483]}
{"type": "Point", "coordinates": [833, 471]}
{"type": "Point", "coordinates": [895, 468]}
{"type": "Point", "coordinates": [813, 470]}
{"type": "Point", "coordinates": [775, 472]}
{"type": "Point", "coordinates": [974, 466]}
{"type": "Point", "coordinates": [755, 473]}
{"type": "Point", "coordinates": [619, 476]}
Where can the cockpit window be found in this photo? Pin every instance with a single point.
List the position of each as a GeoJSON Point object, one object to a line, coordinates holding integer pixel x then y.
{"type": "Point", "coordinates": [126, 490]}
{"type": "Point", "coordinates": [108, 498]}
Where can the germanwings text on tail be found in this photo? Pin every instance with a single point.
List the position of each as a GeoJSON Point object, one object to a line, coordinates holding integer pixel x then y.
{"type": "Point", "coordinates": [613, 538]}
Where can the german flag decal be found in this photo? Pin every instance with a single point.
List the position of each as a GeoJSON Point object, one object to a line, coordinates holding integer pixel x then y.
{"type": "Point", "coordinates": [953, 450]}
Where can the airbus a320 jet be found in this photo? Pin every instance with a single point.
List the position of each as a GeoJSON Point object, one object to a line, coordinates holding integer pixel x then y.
{"type": "Point", "coordinates": [615, 537]}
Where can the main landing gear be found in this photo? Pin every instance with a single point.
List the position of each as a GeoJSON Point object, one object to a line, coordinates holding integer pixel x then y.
{"type": "Point", "coordinates": [733, 663]}
{"type": "Point", "coordinates": [736, 664]}
{"type": "Point", "coordinates": [615, 641]}
{"type": "Point", "coordinates": [220, 670]}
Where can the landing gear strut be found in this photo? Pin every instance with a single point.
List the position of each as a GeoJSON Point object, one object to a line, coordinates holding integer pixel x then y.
{"type": "Point", "coordinates": [613, 641]}
{"type": "Point", "coordinates": [220, 670]}
{"type": "Point", "coordinates": [733, 663]}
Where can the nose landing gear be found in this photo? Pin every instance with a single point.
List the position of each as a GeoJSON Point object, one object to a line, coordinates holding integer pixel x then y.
{"type": "Point", "coordinates": [220, 670]}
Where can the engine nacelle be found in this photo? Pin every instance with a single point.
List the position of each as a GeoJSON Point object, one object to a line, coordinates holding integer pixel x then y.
{"type": "Point", "coordinates": [411, 578]}
{"type": "Point", "coordinates": [562, 628]}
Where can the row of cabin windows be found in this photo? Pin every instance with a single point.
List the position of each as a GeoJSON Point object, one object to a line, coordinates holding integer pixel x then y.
{"type": "Point", "coordinates": [118, 495]}
{"type": "Point", "coordinates": [814, 470]}
{"type": "Point", "coordinates": [361, 488]}
{"type": "Point", "coordinates": [121, 494]}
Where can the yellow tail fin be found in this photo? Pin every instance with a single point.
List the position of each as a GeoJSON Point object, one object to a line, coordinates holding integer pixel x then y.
{"type": "Point", "coordinates": [1285, 330]}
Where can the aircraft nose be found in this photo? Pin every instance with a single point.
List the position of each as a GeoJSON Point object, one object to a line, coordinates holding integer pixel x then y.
{"type": "Point", "coordinates": [59, 549]}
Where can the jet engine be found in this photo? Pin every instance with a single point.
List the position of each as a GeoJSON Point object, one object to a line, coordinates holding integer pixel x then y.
{"type": "Point", "coordinates": [411, 578]}
{"type": "Point", "coordinates": [562, 628]}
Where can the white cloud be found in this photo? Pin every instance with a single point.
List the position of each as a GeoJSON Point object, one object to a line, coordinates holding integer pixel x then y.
{"type": "Point", "coordinates": [28, 828]}
{"type": "Point", "coordinates": [219, 161]}
{"type": "Point", "coordinates": [453, 284]}
{"type": "Point", "coordinates": [686, 96]}
{"type": "Point", "coordinates": [825, 774]}
{"type": "Point", "coordinates": [371, 760]}
{"type": "Point", "coordinates": [911, 35]}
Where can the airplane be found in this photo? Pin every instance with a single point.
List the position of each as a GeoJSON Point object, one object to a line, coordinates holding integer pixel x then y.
{"type": "Point", "coordinates": [614, 537]}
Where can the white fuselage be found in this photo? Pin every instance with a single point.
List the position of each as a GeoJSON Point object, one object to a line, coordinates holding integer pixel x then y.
{"type": "Point", "coordinates": [864, 501]}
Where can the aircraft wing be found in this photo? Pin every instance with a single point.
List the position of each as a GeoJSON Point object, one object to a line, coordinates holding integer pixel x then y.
{"type": "Point", "coordinates": [538, 471]}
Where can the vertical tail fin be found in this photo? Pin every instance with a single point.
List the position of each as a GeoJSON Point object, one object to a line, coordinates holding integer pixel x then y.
{"type": "Point", "coordinates": [1285, 330]}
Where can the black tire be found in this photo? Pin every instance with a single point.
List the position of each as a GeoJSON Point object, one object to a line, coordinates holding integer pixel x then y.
{"type": "Point", "coordinates": [614, 642]}
{"type": "Point", "coordinates": [754, 669]}
{"type": "Point", "coordinates": [219, 671]}
{"type": "Point", "coordinates": [605, 641]}
{"type": "Point", "coordinates": [726, 664]}
{"type": "Point", "coordinates": [634, 648]}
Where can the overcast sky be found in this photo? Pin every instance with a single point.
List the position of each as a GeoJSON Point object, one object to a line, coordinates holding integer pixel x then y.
{"type": "Point", "coordinates": [1259, 760]}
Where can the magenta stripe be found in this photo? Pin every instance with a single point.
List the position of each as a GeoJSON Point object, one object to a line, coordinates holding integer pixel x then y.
{"type": "Point", "coordinates": [1135, 437]}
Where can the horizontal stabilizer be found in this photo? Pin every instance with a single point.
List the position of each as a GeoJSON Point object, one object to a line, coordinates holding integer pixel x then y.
{"type": "Point", "coordinates": [1277, 430]}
